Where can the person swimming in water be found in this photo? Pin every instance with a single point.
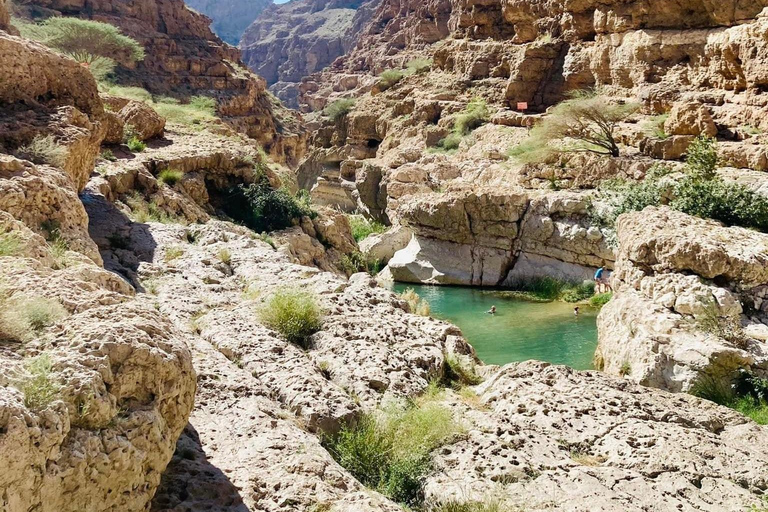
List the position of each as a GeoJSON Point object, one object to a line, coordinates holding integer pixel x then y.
{"type": "Point", "coordinates": [576, 311]}
{"type": "Point", "coordinates": [492, 311]}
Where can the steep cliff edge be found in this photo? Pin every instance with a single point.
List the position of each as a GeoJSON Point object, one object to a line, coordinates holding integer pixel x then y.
{"type": "Point", "coordinates": [290, 41]}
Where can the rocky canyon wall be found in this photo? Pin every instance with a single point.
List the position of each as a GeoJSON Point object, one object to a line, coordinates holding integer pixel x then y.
{"type": "Point", "coordinates": [290, 41]}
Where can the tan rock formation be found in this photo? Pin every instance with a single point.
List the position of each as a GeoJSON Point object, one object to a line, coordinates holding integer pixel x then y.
{"type": "Point", "coordinates": [141, 120]}
{"type": "Point", "coordinates": [683, 287]}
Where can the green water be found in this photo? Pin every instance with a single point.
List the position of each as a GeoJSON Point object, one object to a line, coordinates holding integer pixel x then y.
{"type": "Point", "coordinates": [520, 330]}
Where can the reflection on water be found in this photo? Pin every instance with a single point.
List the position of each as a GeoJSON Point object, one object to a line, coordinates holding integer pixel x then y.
{"type": "Point", "coordinates": [520, 330]}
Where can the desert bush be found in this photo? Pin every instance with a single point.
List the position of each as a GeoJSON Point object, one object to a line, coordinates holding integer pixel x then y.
{"type": "Point", "coordinates": [390, 450]}
{"type": "Point", "coordinates": [43, 150]}
{"type": "Point", "coordinates": [745, 393]}
{"type": "Point", "coordinates": [362, 228]}
{"type": "Point", "coordinates": [548, 289]}
{"type": "Point", "coordinates": [416, 304]}
{"type": "Point", "coordinates": [38, 386]}
{"type": "Point", "coordinates": [293, 313]}
{"type": "Point", "coordinates": [135, 144]}
{"type": "Point", "coordinates": [709, 320]}
{"type": "Point", "coordinates": [701, 158]}
{"type": "Point", "coordinates": [170, 177]}
{"type": "Point", "coordinates": [474, 115]}
{"type": "Point", "coordinates": [143, 211]}
{"type": "Point", "coordinates": [625, 369]}
{"type": "Point", "coordinates": [263, 208]}
{"type": "Point", "coordinates": [584, 123]}
{"type": "Point", "coordinates": [390, 78]}
{"type": "Point", "coordinates": [23, 317]}
{"type": "Point", "coordinates": [173, 253]}
{"type": "Point", "coordinates": [87, 40]}
{"type": "Point", "coordinates": [418, 65]}
{"type": "Point", "coordinates": [197, 111]}
{"type": "Point", "coordinates": [339, 108]}
{"type": "Point", "coordinates": [357, 262]}
{"type": "Point", "coordinates": [450, 142]}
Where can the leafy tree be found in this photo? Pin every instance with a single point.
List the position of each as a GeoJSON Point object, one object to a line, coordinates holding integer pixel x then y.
{"type": "Point", "coordinates": [584, 123]}
{"type": "Point", "coordinates": [87, 41]}
{"type": "Point", "coordinates": [701, 157]}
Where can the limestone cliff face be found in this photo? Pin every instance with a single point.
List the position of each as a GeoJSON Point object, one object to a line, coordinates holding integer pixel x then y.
{"type": "Point", "coordinates": [94, 394]}
{"type": "Point", "coordinates": [184, 58]}
{"type": "Point", "coordinates": [290, 41]}
{"type": "Point", "coordinates": [230, 17]}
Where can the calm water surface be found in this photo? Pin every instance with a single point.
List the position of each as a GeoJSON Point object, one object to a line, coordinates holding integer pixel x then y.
{"type": "Point", "coordinates": [520, 330]}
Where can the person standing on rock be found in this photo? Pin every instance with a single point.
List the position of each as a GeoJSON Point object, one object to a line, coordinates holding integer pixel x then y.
{"type": "Point", "coordinates": [599, 279]}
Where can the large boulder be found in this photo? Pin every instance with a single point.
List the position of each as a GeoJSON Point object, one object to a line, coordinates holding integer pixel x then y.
{"type": "Point", "coordinates": [141, 120]}
{"type": "Point", "coordinates": [683, 289]}
{"type": "Point", "coordinates": [690, 118]}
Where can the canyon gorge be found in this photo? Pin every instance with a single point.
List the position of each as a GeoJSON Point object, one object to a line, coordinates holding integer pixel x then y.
{"type": "Point", "coordinates": [158, 218]}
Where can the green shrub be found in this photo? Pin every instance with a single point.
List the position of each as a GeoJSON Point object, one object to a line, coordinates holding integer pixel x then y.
{"type": "Point", "coordinates": [389, 79]}
{"type": "Point", "coordinates": [390, 450]}
{"type": "Point", "coordinates": [224, 256]}
{"type": "Point", "coordinates": [135, 144]}
{"type": "Point", "coordinates": [339, 108]}
{"type": "Point", "coordinates": [701, 158]}
{"type": "Point", "coordinates": [362, 228]}
{"type": "Point", "coordinates": [416, 304]}
{"type": "Point", "coordinates": [625, 369]}
{"type": "Point", "coordinates": [107, 154]}
{"type": "Point", "coordinates": [43, 150]}
{"type": "Point", "coordinates": [295, 314]}
{"type": "Point", "coordinates": [579, 292]}
{"type": "Point", "coordinates": [357, 262]}
{"type": "Point", "coordinates": [451, 142]}
{"type": "Point", "coordinates": [756, 411]}
{"type": "Point", "coordinates": [264, 209]}
{"type": "Point", "coordinates": [38, 387]}
{"type": "Point", "coordinates": [600, 300]}
{"type": "Point", "coordinates": [143, 211]}
{"type": "Point", "coordinates": [170, 177]}
{"type": "Point", "coordinates": [732, 204]}
{"type": "Point", "coordinates": [548, 289]}
{"type": "Point", "coordinates": [747, 400]}
{"type": "Point", "coordinates": [472, 117]}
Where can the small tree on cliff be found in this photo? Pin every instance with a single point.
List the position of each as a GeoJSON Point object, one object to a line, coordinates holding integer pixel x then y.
{"type": "Point", "coordinates": [584, 123]}
{"type": "Point", "coordinates": [86, 41]}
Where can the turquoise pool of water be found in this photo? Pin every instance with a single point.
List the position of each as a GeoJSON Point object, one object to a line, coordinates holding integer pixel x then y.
{"type": "Point", "coordinates": [520, 330]}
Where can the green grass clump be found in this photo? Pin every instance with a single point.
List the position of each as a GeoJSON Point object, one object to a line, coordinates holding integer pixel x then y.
{"type": "Point", "coordinates": [198, 111]}
{"type": "Point", "coordinates": [600, 300]}
{"type": "Point", "coordinates": [293, 313]}
{"type": "Point", "coordinates": [107, 154]}
{"type": "Point", "coordinates": [389, 79]}
{"type": "Point", "coordinates": [43, 149]}
{"type": "Point", "coordinates": [458, 373]}
{"type": "Point", "coordinates": [472, 117]}
{"type": "Point", "coordinates": [390, 450]}
{"type": "Point", "coordinates": [757, 411]}
{"type": "Point", "coordinates": [135, 144]}
{"type": "Point", "coordinates": [450, 142]}
{"type": "Point", "coordinates": [655, 126]}
{"type": "Point", "coordinates": [10, 244]}
{"type": "Point", "coordinates": [170, 177]}
{"type": "Point", "coordinates": [418, 65]}
{"type": "Point", "coordinates": [362, 228]}
{"type": "Point", "coordinates": [143, 211]}
{"type": "Point", "coordinates": [173, 253]}
{"type": "Point", "coordinates": [22, 318]}
{"type": "Point", "coordinates": [416, 304]}
{"type": "Point", "coordinates": [38, 387]}
{"type": "Point", "coordinates": [489, 505]}
{"type": "Point", "coordinates": [746, 394]}
{"type": "Point", "coordinates": [339, 108]}
{"type": "Point", "coordinates": [549, 289]}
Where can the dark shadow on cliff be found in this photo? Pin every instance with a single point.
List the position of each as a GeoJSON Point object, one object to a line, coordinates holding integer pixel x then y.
{"type": "Point", "coordinates": [191, 482]}
{"type": "Point", "coordinates": [123, 243]}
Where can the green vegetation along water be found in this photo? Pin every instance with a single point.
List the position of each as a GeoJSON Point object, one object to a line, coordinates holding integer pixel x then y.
{"type": "Point", "coordinates": [520, 330]}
